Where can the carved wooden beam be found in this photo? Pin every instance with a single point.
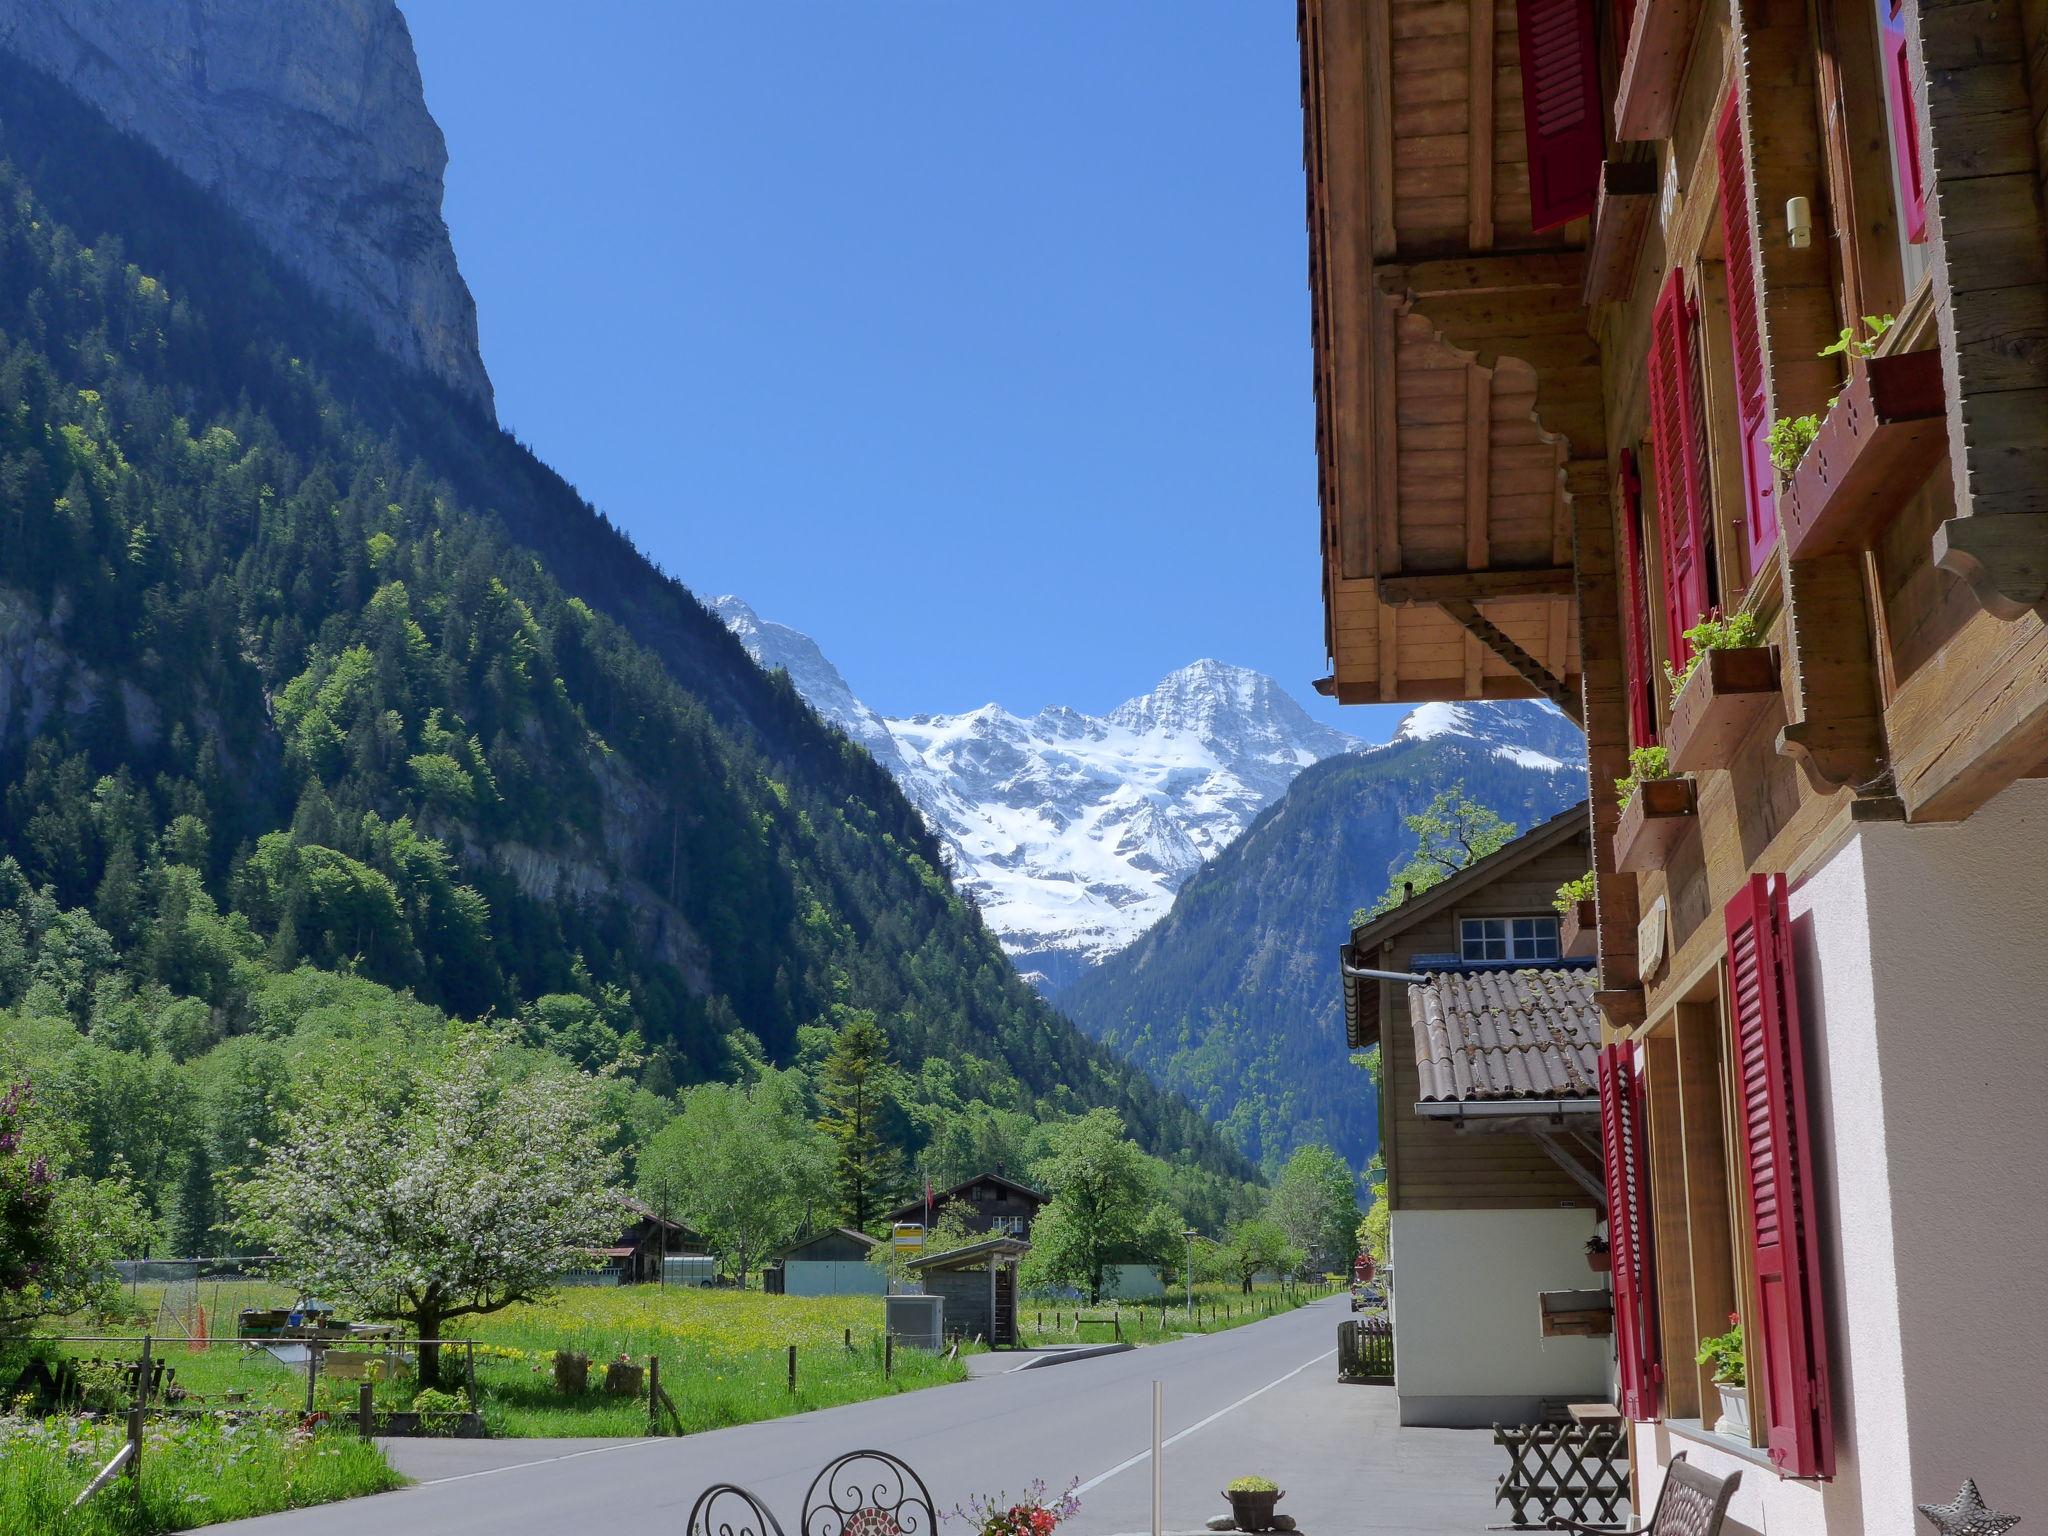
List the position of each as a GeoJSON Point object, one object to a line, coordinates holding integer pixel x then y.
{"type": "Point", "coordinates": [1524, 666]}
{"type": "Point", "coordinates": [1476, 586]}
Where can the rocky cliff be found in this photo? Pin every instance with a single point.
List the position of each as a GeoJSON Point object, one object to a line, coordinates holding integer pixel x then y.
{"type": "Point", "coordinates": [308, 119]}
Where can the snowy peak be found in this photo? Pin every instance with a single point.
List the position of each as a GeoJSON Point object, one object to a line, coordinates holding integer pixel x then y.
{"type": "Point", "coordinates": [1073, 831]}
{"type": "Point", "coordinates": [1532, 732]}
{"type": "Point", "coordinates": [816, 679]}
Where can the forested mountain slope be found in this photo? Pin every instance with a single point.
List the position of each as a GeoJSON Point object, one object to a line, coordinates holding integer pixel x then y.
{"type": "Point", "coordinates": [303, 660]}
{"type": "Point", "coordinates": [1233, 998]}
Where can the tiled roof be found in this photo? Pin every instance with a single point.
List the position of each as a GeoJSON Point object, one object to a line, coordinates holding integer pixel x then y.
{"type": "Point", "coordinates": [1506, 1034]}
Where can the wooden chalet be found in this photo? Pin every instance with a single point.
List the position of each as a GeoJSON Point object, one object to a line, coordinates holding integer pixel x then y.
{"type": "Point", "coordinates": [1581, 272]}
{"type": "Point", "coordinates": [645, 1239]}
{"type": "Point", "coordinates": [990, 1202]}
{"type": "Point", "coordinates": [1489, 1129]}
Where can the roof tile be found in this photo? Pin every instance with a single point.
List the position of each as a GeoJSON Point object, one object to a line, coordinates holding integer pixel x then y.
{"type": "Point", "coordinates": [1505, 1034]}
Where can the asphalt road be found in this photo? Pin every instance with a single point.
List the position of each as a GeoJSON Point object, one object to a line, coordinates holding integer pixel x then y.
{"type": "Point", "coordinates": [1261, 1398]}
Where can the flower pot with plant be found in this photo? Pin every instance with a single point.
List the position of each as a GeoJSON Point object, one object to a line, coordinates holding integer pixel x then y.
{"type": "Point", "coordinates": [1034, 1513]}
{"type": "Point", "coordinates": [1731, 677]}
{"type": "Point", "coordinates": [1252, 1500]}
{"type": "Point", "coordinates": [1577, 917]}
{"type": "Point", "coordinates": [1724, 1353]}
{"type": "Point", "coordinates": [1656, 808]}
{"type": "Point", "coordinates": [1599, 1257]}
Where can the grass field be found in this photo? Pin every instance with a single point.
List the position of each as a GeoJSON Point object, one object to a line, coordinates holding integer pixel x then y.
{"type": "Point", "coordinates": [194, 1472]}
{"type": "Point", "coordinates": [724, 1357]}
{"type": "Point", "coordinates": [1217, 1306]}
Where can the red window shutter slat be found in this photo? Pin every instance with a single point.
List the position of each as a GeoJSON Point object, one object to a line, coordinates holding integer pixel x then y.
{"type": "Point", "coordinates": [1788, 1336]}
{"type": "Point", "coordinates": [1905, 115]}
{"type": "Point", "coordinates": [1642, 711]}
{"type": "Point", "coordinates": [1628, 1231]}
{"type": "Point", "coordinates": [1678, 436]}
{"type": "Point", "coordinates": [1561, 108]}
{"type": "Point", "coordinates": [1752, 403]}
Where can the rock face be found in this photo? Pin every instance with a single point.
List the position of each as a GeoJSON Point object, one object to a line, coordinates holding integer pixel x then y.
{"type": "Point", "coordinates": [308, 119]}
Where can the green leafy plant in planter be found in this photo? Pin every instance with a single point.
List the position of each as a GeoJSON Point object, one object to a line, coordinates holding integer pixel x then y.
{"type": "Point", "coordinates": [1643, 763]}
{"type": "Point", "coordinates": [1738, 631]}
{"type": "Point", "coordinates": [1723, 1352]}
{"type": "Point", "coordinates": [1791, 436]}
{"type": "Point", "coordinates": [1572, 892]}
{"type": "Point", "coordinates": [1251, 1502]}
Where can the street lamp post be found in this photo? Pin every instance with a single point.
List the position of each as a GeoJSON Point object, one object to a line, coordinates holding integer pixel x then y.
{"type": "Point", "coordinates": [1188, 1236]}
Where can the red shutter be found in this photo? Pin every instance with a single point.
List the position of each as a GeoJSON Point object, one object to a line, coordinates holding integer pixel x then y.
{"type": "Point", "coordinates": [1628, 1230]}
{"type": "Point", "coordinates": [1561, 109]}
{"type": "Point", "coordinates": [1680, 517]}
{"type": "Point", "coordinates": [1788, 1336]}
{"type": "Point", "coordinates": [1898, 90]}
{"type": "Point", "coordinates": [1624, 27]}
{"type": "Point", "coordinates": [1642, 709]}
{"type": "Point", "coordinates": [1752, 403]}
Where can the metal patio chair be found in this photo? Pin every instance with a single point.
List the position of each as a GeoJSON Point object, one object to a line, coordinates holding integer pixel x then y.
{"type": "Point", "coordinates": [726, 1509]}
{"type": "Point", "coordinates": [868, 1493]}
{"type": "Point", "coordinates": [1691, 1503]}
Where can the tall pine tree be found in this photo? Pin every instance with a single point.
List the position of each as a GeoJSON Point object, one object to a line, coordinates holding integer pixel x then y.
{"type": "Point", "coordinates": [858, 1092]}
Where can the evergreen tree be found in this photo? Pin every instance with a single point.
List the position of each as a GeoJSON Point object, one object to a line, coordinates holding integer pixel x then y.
{"type": "Point", "coordinates": [858, 1091]}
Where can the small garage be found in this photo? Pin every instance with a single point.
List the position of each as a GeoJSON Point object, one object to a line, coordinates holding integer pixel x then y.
{"type": "Point", "coordinates": [831, 1263]}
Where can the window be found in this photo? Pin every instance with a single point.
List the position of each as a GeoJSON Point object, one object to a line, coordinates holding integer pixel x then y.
{"type": "Point", "coordinates": [1506, 939]}
{"type": "Point", "coordinates": [1909, 175]}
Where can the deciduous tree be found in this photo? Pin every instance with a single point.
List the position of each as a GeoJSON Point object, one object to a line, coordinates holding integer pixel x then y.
{"type": "Point", "coordinates": [1451, 832]}
{"type": "Point", "coordinates": [457, 1191]}
{"type": "Point", "coordinates": [1101, 1186]}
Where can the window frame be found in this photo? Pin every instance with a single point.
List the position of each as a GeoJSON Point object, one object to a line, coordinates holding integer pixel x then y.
{"type": "Point", "coordinates": [1543, 931]}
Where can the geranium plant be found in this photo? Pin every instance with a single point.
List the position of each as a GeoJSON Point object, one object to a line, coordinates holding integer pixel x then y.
{"type": "Point", "coordinates": [1738, 631]}
{"type": "Point", "coordinates": [1035, 1513]}
{"type": "Point", "coordinates": [1723, 1352]}
{"type": "Point", "coordinates": [1643, 763]}
{"type": "Point", "coordinates": [1572, 892]}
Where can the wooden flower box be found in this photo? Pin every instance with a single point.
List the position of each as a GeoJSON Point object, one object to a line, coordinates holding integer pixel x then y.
{"type": "Point", "coordinates": [1576, 1314]}
{"type": "Point", "coordinates": [1579, 933]}
{"type": "Point", "coordinates": [1652, 822]}
{"type": "Point", "coordinates": [1717, 706]}
{"type": "Point", "coordinates": [1877, 445]}
{"type": "Point", "coordinates": [1653, 71]}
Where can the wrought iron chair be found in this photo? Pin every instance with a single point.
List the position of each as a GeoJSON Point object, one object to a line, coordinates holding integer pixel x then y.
{"type": "Point", "coordinates": [726, 1509]}
{"type": "Point", "coordinates": [1691, 1503]}
{"type": "Point", "coordinates": [867, 1493]}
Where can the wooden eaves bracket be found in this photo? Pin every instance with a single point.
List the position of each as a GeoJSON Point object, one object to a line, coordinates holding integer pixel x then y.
{"type": "Point", "coordinates": [1525, 666]}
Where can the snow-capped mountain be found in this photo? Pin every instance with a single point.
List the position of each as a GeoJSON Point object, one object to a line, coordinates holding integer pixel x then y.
{"type": "Point", "coordinates": [1534, 734]}
{"type": "Point", "coordinates": [1073, 831]}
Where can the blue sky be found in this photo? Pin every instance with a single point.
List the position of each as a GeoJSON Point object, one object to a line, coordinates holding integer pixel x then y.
{"type": "Point", "coordinates": [971, 339]}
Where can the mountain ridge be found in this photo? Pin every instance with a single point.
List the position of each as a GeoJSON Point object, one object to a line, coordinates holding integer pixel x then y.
{"type": "Point", "coordinates": [1072, 831]}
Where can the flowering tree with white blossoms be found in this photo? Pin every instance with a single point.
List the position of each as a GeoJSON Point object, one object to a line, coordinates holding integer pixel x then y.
{"type": "Point", "coordinates": [459, 1192]}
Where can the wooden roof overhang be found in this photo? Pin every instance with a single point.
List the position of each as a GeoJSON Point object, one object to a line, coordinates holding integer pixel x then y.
{"type": "Point", "coordinates": [1456, 379]}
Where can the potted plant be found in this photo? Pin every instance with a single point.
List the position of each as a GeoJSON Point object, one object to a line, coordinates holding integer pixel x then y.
{"type": "Point", "coordinates": [1716, 697]}
{"type": "Point", "coordinates": [1724, 1353]}
{"type": "Point", "coordinates": [1655, 807]}
{"type": "Point", "coordinates": [1599, 1257]}
{"type": "Point", "coordinates": [1578, 917]}
{"type": "Point", "coordinates": [1035, 1513]}
{"type": "Point", "coordinates": [1252, 1500]}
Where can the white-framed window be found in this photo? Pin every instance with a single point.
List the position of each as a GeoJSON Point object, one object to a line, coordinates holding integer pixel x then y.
{"type": "Point", "coordinates": [1508, 939]}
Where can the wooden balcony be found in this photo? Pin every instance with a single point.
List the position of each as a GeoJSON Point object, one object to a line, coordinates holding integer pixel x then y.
{"type": "Point", "coordinates": [1718, 705]}
{"type": "Point", "coordinates": [1646, 100]}
{"type": "Point", "coordinates": [1654, 819]}
{"type": "Point", "coordinates": [1880, 440]}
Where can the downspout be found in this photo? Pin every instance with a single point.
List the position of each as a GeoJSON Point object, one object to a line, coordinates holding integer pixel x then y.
{"type": "Point", "coordinates": [1362, 973]}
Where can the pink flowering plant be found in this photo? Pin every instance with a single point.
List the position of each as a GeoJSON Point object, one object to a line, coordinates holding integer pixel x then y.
{"type": "Point", "coordinates": [59, 1233]}
{"type": "Point", "coordinates": [1034, 1513]}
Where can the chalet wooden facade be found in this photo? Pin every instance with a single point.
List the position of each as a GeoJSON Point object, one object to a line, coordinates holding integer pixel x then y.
{"type": "Point", "coordinates": [1582, 272]}
{"type": "Point", "coordinates": [1489, 1129]}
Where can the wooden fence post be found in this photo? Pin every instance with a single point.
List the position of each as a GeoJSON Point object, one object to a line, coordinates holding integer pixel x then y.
{"type": "Point", "coordinates": [889, 1354]}
{"type": "Point", "coordinates": [365, 1413]}
{"type": "Point", "coordinates": [792, 1368]}
{"type": "Point", "coordinates": [133, 1471]}
{"type": "Point", "coordinates": [654, 1394]}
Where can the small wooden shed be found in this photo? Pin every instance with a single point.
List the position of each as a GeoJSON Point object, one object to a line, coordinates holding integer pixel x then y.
{"type": "Point", "coordinates": [978, 1284]}
{"type": "Point", "coordinates": [829, 1263]}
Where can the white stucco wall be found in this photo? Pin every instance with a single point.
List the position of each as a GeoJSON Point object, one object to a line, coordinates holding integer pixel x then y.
{"type": "Point", "coordinates": [832, 1277]}
{"type": "Point", "coordinates": [1923, 957]}
{"type": "Point", "coordinates": [1466, 1318]}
